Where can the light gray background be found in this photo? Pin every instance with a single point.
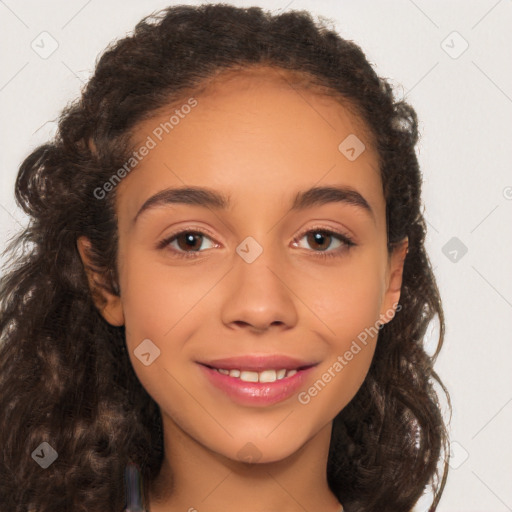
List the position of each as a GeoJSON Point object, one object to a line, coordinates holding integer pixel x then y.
{"type": "Point", "coordinates": [465, 107]}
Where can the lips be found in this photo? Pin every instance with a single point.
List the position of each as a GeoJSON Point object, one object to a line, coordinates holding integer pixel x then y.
{"type": "Point", "coordinates": [259, 363]}
{"type": "Point", "coordinates": [240, 378]}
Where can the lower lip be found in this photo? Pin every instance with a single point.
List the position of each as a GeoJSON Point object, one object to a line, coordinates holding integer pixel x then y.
{"type": "Point", "coordinates": [257, 393]}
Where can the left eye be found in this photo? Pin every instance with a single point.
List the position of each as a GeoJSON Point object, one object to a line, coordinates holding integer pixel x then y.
{"type": "Point", "coordinates": [324, 239]}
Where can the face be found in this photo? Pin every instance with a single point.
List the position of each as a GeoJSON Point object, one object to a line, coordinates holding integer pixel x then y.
{"type": "Point", "coordinates": [274, 272]}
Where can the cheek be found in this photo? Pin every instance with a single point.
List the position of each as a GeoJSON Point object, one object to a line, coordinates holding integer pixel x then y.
{"type": "Point", "coordinates": [162, 304]}
{"type": "Point", "coordinates": [155, 297]}
{"type": "Point", "coordinates": [347, 307]}
{"type": "Point", "coordinates": [155, 303]}
{"type": "Point", "coordinates": [346, 300]}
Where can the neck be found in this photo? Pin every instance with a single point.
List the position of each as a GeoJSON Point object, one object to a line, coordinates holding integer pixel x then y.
{"type": "Point", "coordinates": [192, 477]}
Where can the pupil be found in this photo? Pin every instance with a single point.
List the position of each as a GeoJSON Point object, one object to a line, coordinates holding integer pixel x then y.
{"type": "Point", "coordinates": [318, 237]}
{"type": "Point", "coordinates": [190, 240]}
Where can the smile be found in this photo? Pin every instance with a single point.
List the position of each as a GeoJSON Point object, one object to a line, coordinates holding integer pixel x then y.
{"type": "Point", "coordinates": [257, 388]}
{"type": "Point", "coordinates": [264, 376]}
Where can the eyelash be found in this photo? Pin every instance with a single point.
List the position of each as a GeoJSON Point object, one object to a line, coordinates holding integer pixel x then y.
{"type": "Point", "coordinates": [347, 242]}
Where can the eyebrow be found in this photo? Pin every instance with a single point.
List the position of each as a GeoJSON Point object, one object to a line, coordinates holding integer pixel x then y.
{"type": "Point", "coordinates": [208, 198]}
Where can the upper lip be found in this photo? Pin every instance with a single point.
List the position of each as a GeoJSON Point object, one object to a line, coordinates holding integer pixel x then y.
{"type": "Point", "coordinates": [259, 362]}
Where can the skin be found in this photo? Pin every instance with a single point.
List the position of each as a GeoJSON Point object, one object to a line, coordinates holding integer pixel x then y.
{"type": "Point", "coordinates": [254, 137]}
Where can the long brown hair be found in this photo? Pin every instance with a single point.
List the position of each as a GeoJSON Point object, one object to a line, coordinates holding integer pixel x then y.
{"type": "Point", "coordinates": [65, 375]}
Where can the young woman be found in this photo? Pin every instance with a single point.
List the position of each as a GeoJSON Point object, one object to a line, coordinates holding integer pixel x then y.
{"type": "Point", "coordinates": [223, 286]}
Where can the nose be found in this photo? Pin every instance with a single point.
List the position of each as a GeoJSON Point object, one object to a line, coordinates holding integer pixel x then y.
{"type": "Point", "coordinates": [258, 296]}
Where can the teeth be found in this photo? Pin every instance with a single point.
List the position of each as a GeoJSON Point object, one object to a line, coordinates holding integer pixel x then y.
{"type": "Point", "coordinates": [268, 376]}
{"type": "Point", "coordinates": [249, 376]}
{"type": "Point", "coordinates": [264, 376]}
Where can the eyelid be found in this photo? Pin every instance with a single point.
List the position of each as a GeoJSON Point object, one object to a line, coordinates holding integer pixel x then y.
{"type": "Point", "coordinates": [343, 234]}
{"type": "Point", "coordinates": [187, 229]}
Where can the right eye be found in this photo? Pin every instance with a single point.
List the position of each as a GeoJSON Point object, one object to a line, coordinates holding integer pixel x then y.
{"type": "Point", "coordinates": [181, 241]}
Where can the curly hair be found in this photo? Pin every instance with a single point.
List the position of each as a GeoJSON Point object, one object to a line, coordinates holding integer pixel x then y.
{"type": "Point", "coordinates": [65, 374]}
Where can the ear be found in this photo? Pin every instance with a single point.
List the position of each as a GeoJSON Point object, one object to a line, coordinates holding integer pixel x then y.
{"type": "Point", "coordinates": [108, 303]}
{"type": "Point", "coordinates": [394, 281]}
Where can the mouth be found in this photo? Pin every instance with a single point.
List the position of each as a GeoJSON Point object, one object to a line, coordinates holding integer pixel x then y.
{"type": "Point", "coordinates": [270, 375]}
{"type": "Point", "coordinates": [259, 363]}
{"type": "Point", "coordinates": [258, 380]}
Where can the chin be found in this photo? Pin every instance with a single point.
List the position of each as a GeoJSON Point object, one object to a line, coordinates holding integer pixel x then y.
{"type": "Point", "coordinates": [262, 450]}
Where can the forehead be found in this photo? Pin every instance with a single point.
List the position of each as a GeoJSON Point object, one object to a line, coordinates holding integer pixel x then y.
{"type": "Point", "coordinates": [255, 133]}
